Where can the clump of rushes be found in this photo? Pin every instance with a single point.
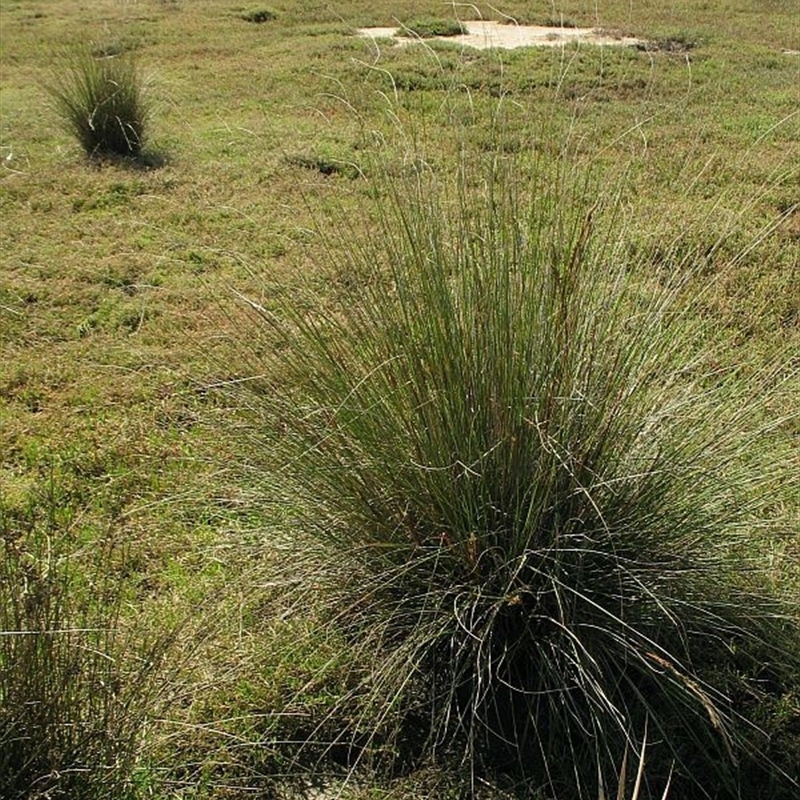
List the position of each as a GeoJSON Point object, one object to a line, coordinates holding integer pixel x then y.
{"type": "Point", "coordinates": [525, 502]}
{"type": "Point", "coordinates": [101, 101]}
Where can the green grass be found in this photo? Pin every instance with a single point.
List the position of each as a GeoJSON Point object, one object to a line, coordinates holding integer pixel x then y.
{"type": "Point", "coordinates": [117, 319]}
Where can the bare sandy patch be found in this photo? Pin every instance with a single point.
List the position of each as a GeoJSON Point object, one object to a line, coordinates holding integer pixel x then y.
{"type": "Point", "coordinates": [483, 35]}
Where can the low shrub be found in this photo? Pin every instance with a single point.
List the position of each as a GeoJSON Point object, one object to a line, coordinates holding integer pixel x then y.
{"type": "Point", "coordinates": [430, 27]}
{"type": "Point", "coordinates": [101, 101]}
{"type": "Point", "coordinates": [524, 497]}
{"type": "Point", "coordinates": [559, 22]}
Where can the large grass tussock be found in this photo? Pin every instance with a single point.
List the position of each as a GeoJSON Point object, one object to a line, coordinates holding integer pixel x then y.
{"type": "Point", "coordinates": [525, 497]}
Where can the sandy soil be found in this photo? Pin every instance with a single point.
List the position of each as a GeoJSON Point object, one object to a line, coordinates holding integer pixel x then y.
{"type": "Point", "coordinates": [483, 35]}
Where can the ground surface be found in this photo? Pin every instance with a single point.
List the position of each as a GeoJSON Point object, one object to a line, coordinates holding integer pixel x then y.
{"type": "Point", "coordinates": [485, 35]}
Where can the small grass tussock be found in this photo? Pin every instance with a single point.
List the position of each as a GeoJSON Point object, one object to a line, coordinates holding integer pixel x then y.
{"type": "Point", "coordinates": [258, 15]}
{"type": "Point", "coordinates": [525, 501]}
{"type": "Point", "coordinates": [102, 102]}
{"type": "Point", "coordinates": [77, 687]}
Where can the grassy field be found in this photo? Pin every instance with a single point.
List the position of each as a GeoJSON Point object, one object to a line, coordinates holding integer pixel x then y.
{"type": "Point", "coordinates": [132, 486]}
